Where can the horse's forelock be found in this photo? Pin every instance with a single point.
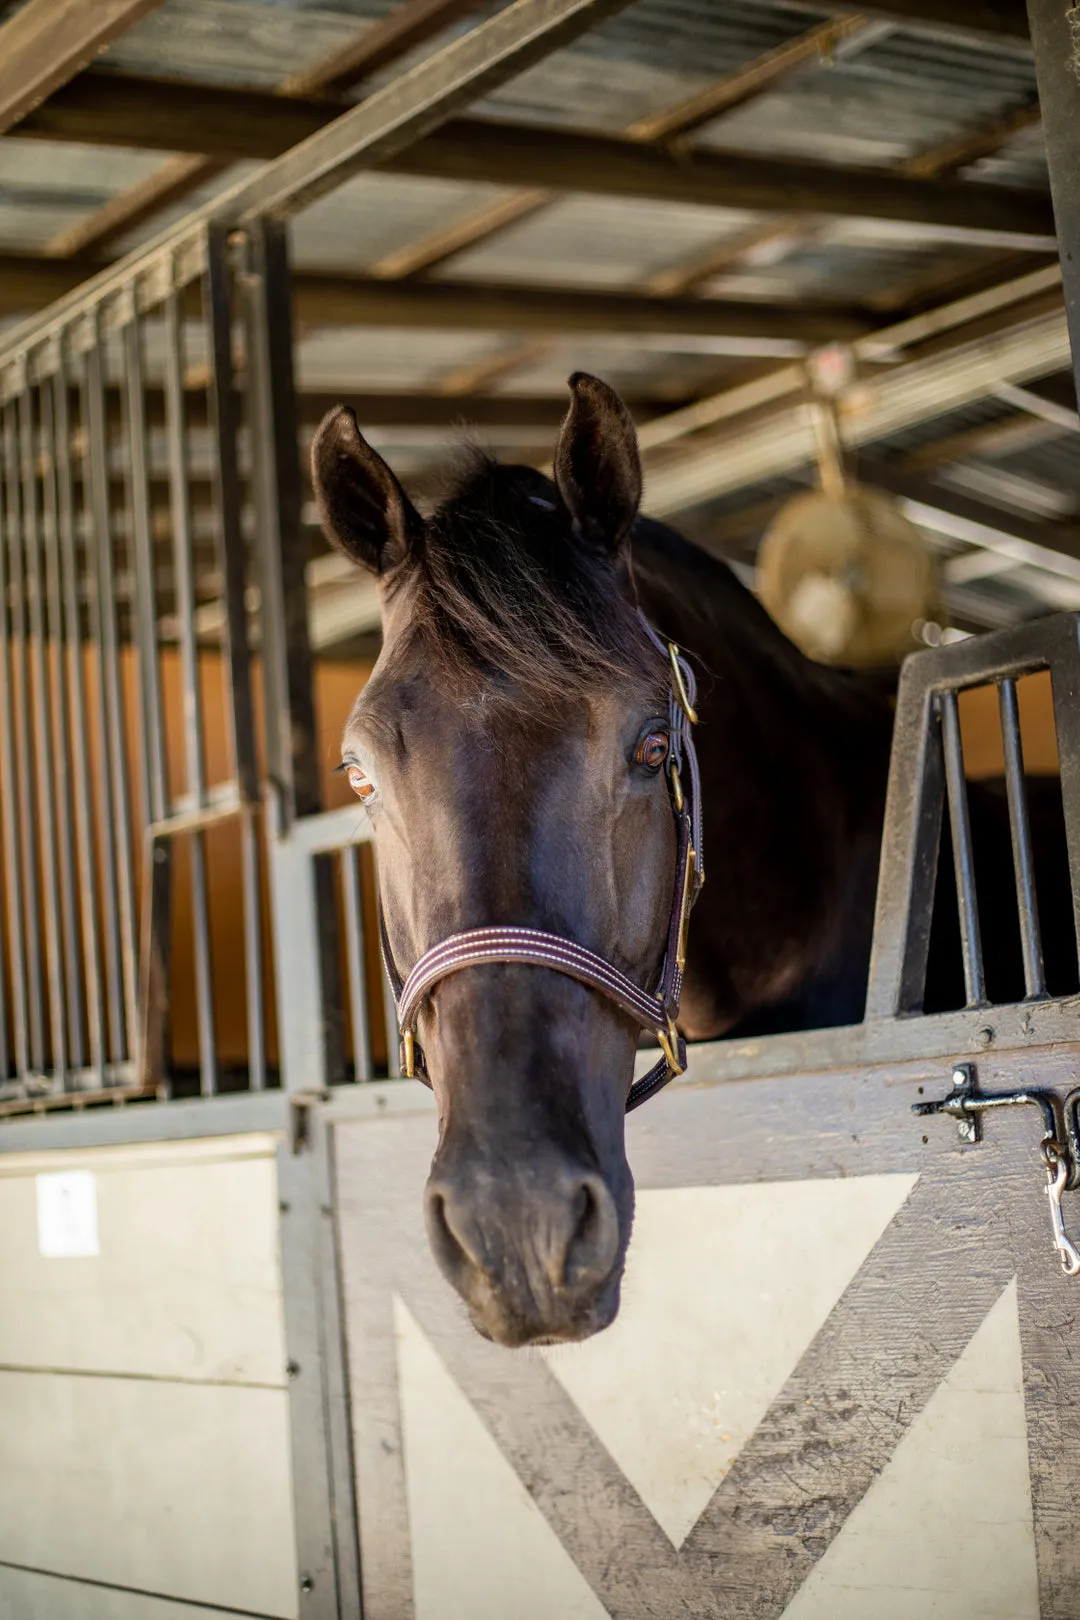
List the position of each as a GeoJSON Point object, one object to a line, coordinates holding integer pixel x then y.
{"type": "Point", "coordinates": [501, 588]}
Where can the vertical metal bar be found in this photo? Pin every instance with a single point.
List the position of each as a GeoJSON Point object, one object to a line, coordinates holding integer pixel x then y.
{"type": "Point", "coordinates": [286, 650]}
{"type": "Point", "coordinates": [354, 955]}
{"type": "Point", "coordinates": [184, 574]}
{"type": "Point", "coordinates": [13, 874]}
{"type": "Point", "coordinates": [24, 781]}
{"type": "Point", "coordinates": [1023, 866]}
{"type": "Point", "coordinates": [963, 856]}
{"type": "Point", "coordinates": [253, 965]}
{"type": "Point", "coordinates": [231, 559]}
{"type": "Point", "coordinates": [288, 686]}
{"type": "Point", "coordinates": [117, 840]}
{"type": "Point", "coordinates": [155, 780]}
{"type": "Point", "coordinates": [44, 743]}
{"type": "Point", "coordinates": [84, 829]}
{"type": "Point", "coordinates": [65, 825]}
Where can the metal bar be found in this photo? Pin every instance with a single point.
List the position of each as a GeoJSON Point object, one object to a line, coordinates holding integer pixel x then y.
{"type": "Point", "coordinates": [231, 557]}
{"type": "Point", "coordinates": [354, 956]}
{"type": "Point", "coordinates": [286, 653]}
{"type": "Point", "coordinates": [65, 824]}
{"type": "Point", "coordinates": [1026, 898]}
{"type": "Point", "coordinates": [232, 565]}
{"type": "Point", "coordinates": [13, 872]}
{"type": "Point", "coordinates": [154, 771]}
{"type": "Point", "coordinates": [44, 742]}
{"type": "Point", "coordinates": [253, 965]}
{"type": "Point", "coordinates": [84, 833]}
{"type": "Point", "coordinates": [204, 977]}
{"type": "Point", "coordinates": [1057, 72]}
{"type": "Point", "coordinates": [963, 855]}
{"type": "Point", "coordinates": [184, 574]}
{"type": "Point", "coordinates": [24, 782]}
{"type": "Point", "coordinates": [155, 957]}
{"type": "Point", "coordinates": [120, 936]}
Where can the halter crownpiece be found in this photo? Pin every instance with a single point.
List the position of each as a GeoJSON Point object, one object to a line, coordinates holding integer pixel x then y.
{"type": "Point", "coordinates": [656, 1010]}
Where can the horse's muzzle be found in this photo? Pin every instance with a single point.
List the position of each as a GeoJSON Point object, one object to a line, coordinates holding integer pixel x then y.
{"type": "Point", "coordinates": [537, 1257]}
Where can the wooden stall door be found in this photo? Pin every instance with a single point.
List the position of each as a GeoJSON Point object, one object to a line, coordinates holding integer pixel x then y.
{"type": "Point", "coordinates": [841, 1384]}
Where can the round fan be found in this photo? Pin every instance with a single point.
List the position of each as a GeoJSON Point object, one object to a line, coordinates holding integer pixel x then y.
{"type": "Point", "coordinates": [846, 577]}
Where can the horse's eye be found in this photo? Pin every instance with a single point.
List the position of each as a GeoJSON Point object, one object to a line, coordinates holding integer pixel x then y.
{"type": "Point", "coordinates": [359, 782]}
{"type": "Point", "coordinates": [652, 750]}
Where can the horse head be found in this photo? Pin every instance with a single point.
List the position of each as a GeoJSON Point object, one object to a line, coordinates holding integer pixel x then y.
{"type": "Point", "coordinates": [510, 748]}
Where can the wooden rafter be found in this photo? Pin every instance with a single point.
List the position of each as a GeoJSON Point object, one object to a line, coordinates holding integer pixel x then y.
{"type": "Point", "coordinates": [332, 299]}
{"type": "Point", "coordinates": [48, 41]}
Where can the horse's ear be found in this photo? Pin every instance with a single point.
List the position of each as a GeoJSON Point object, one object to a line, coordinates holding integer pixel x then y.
{"type": "Point", "coordinates": [364, 510]}
{"type": "Point", "coordinates": [597, 466]}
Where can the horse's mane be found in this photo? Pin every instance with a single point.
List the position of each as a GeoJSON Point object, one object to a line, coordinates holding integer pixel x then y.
{"type": "Point", "coordinates": [499, 586]}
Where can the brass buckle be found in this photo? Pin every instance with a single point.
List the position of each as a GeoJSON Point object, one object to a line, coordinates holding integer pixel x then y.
{"type": "Point", "coordinates": [680, 685]}
{"type": "Point", "coordinates": [408, 1054]}
{"type": "Point", "coordinates": [669, 1045]}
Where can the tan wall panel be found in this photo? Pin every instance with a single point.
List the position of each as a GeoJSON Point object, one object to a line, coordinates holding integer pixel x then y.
{"type": "Point", "coordinates": [27, 1595]}
{"type": "Point", "coordinates": [981, 728]}
{"type": "Point", "coordinates": [177, 1489]}
{"type": "Point", "coordinates": [187, 1283]}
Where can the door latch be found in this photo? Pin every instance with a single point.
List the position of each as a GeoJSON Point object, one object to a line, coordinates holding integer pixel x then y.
{"type": "Point", "coordinates": [1059, 1148]}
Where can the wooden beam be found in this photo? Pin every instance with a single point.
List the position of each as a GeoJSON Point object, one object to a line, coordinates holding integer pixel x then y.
{"type": "Point", "coordinates": [331, 299]}
{"type": "Point", "coordinates": [49, 41]}
{"type": "Point", "coordinates": [247, 124]}
{"type": "Point", "coordinates": [605, 165]}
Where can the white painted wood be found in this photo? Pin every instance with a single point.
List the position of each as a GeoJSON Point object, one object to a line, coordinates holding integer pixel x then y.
{"type": "Point", "coordinates": [679, 1383]}
{"type": "Point", "coordinates": [187, 1281]}
{"type": "Point", "coordinates": [177, 1489]}
{"type": "Point", "coordinates": [946, 1531]}
{"type": "Point", "coordinates": [28, 1595]}
{"type": "Point", "coordinates": [481, 1548]}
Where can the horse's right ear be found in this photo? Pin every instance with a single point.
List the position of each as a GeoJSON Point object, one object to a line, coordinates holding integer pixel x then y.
{"type": "Point", "coordinates": [364, 510]}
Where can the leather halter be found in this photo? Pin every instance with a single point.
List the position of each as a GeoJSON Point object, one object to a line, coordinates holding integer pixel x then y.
{"type": "Point", "coordinates": [656, 1010]}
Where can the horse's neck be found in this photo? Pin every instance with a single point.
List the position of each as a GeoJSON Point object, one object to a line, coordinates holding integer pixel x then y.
{"type": "Point", "coordinates": [794, 760]}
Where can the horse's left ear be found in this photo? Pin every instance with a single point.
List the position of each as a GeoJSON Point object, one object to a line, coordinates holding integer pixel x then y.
{"type": "Point", "coordinates": [597, 466]}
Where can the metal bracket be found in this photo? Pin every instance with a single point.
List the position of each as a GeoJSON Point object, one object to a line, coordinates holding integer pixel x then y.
{"type": "Point", "coordinates": [1059, 1148]}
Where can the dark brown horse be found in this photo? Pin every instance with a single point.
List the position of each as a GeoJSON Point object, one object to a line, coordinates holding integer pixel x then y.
{"type": "Point", "coordinates": [508, 747]}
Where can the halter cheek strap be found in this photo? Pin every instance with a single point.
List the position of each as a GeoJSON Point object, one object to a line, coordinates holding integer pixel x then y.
{"type": "Point", "coordinates": [656, 1010]}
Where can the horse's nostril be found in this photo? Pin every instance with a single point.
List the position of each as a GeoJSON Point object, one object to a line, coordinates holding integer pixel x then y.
{"type": "Point", "coordinates": [594, 1235]}
{"type": "Point", "coordinates": [447, 1237]}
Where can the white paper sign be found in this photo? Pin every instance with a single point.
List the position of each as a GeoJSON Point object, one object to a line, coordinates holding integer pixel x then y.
{"type": "Point", "coordinates": [67, 1214]}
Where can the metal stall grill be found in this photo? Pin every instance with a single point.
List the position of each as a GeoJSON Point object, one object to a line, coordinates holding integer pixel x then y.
{"type": "Point", "coordinates": [151, 513]}
{"type": "Point", "coordinates": [928, 799]}
{"type": "Point", "coordinates": [133, 491]}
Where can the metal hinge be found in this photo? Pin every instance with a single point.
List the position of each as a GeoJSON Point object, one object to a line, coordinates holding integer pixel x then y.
{"type": "Point", "coordinates": [1059, 1148]}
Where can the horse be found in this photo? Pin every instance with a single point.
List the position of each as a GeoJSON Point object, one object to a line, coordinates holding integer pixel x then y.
{"type": "Point", "coordinates": [513, 747]}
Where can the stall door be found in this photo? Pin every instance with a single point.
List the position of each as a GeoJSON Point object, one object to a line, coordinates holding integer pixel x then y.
{"type": "Point", "coordinates": [841, 1384]}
